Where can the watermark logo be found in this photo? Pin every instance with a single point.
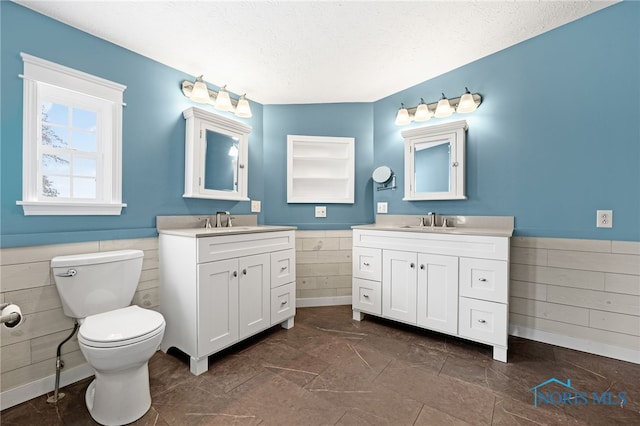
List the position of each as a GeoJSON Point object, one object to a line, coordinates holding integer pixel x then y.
{"type": "Point", "coordinates": [568, 395]}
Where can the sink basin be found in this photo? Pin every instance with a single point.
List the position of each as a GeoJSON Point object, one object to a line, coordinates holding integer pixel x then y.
{"type": "Point", "coordinates": [429, 228]}
{"type": "Point", "coordinates": [232, 229]}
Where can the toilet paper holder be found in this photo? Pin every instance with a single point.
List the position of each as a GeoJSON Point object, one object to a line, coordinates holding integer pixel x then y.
{"type": "Point", "coordinates": [11, 315]}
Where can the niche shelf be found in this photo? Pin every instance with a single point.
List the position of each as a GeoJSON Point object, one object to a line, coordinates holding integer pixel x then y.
{"type": "Point", "coordinates": [320, 169]}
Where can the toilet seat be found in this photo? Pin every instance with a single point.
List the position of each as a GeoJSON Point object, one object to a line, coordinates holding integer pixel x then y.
{"type": "Point", "coordinates": [120, 327]}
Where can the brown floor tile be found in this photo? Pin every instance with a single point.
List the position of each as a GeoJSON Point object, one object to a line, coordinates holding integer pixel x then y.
{"type": "Point", "coordinates": [332, 370]}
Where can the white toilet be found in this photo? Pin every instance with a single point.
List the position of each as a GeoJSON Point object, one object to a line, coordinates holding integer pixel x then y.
{"type": "Point", "coordinates": [116, 339]}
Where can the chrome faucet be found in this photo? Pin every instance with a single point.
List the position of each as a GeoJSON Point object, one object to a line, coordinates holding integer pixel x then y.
{"type": "Point", "coordinates": [432, 218]}
{"type": "Point", "coordinates": [219, 218]}
{"type": "Point", "coordinates": [207, 223]}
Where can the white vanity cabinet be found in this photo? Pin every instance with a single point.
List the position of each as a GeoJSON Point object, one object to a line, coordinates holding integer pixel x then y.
{"type": "Point", "coordinates": [452, 283]}
{"type": "Point", "coordinates": [218, 290]}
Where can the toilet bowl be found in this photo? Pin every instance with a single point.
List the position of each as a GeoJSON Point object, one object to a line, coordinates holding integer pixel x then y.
{"type": "Point", "coordinates": [118, 345]}
{"type": "Point", "coordinates": [116, 338]}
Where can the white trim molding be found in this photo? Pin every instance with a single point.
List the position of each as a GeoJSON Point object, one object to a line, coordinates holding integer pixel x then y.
{"type": "Point", "coordinates": [34, 389]}
{"type": "Point", "coordinates": [310, 302]}
{"type": "Point", "coordinates": [576, 343]}
{"type": "Point", "coordinates": [41, 80]}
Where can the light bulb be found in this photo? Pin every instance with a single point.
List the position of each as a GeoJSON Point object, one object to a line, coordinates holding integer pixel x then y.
{"type": "Point", "coordinates": [200, 93]}
{"type": "Point", "coordinates": [422, 112]}
{"type": "Point", "coordinates": [223, 101]}
{"type": "Point", "coordinates": [243, 109]}
{"type": "Point", "coordinates": [443, 109]}
{"type": "Point", "coordinates": [467, 103]}
{"type": "Point", "coordinates": [403, 117]}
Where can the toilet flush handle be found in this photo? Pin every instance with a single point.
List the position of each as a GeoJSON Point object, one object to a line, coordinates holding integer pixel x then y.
{"type": "Point", "coordinates": [70, 273]}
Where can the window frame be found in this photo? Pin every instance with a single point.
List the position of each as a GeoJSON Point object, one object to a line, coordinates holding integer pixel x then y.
{"type": "Point", "coordinates": [41, 76]}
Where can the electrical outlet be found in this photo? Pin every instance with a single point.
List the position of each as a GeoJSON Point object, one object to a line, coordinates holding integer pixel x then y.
{"type": "Point", "coordinates": [604, 218]}
{"type": "Point", "coordinates": [383, 207]}
{"type": "Point", "coordinates": [255, 206]}
{"type": "Point", "coordinates": [321, 211]}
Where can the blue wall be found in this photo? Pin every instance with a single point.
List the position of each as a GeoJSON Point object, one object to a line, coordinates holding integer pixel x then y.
{"type": "Point", "coordinates": [153, 135]}
{"type": "Point", "coordinates": [347, 120]}
{"type": "Point", "coordinates": [543, 146]}
{"type": "Point", "coordinates": [557, 135]}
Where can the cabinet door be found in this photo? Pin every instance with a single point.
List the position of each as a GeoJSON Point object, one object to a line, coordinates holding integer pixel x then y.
{"type": "Point", "coordinates": [438, 292]}
{"type": "Point", "coordinates": [255, 294]}
{"type": "Point", "coordinates": [217, 305]}
{"type": "Point", "coordinates": [399, 285]}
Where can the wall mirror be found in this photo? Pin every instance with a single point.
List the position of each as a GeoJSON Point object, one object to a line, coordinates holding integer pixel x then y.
{"type": "Point", "coordinates": [434, 162]}
{"type": "Point", "coordinates": [384, 177]}
{"type": "Point", "coordinates": [216, 153]}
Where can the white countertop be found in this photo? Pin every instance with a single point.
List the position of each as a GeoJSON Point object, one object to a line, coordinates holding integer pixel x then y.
{"type": "Point", "coordinates": [490, 232]}
{"type": "Point", "coordinates": [234, 230]}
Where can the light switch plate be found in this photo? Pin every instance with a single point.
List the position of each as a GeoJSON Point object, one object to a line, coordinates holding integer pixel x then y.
{"type": "Point", "coordinates": [255, 206]}
{"type": "Point", "coordinates": [321, 211]}
{"type": "Point", "coordinates": [383, 207]}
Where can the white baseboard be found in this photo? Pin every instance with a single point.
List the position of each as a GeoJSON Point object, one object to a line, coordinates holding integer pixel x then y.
{"type": "Point", "coordinates": [28, 391]}
{"type": "Point", "coordinates": [323, 301]}
{"type": "Point", "coordinates": [590, 346]}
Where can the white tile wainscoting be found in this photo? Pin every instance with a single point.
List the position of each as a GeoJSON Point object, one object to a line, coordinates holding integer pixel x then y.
{"type": "Point", "coordinates": [581, 294]}
{"type": "Point", "coordinates": [323, 268]}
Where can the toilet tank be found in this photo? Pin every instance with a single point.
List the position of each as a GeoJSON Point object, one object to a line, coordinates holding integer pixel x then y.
{"type": "Point", "coordinates": [93, 283]}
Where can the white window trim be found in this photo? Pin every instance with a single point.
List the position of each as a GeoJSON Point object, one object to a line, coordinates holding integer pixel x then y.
{"type": "Point", "coordinates": [36, 71]}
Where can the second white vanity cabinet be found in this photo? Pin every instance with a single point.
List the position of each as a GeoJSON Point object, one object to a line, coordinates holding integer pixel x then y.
{"type": "Point", "coordinates": [448, 282]}
{"type": "Point", "coordinates": [217, 290]}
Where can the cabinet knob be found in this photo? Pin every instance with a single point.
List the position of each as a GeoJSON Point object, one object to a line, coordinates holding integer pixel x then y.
{"type": "Point", "coordinates": [482, 279]}
{"type": "Point", "coordinates": [235, 273]}
{"type": "Point", "coordinates": [244, 272]}
{"type": "Point", "coordinates": [482, 321]}
{"type": "Point", "coordinates": [422, 267]}
{"type": "Point", "coordinates": [412, 265]}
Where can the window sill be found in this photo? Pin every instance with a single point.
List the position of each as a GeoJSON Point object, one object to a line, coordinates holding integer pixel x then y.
{"type": "Point", "coordinates": [48, 208]}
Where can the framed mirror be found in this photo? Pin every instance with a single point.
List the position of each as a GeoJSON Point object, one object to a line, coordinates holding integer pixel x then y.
{"type": "Point", "coordinates": [434, 162]}
{"type": "Point", "coordinates": [216, 153]}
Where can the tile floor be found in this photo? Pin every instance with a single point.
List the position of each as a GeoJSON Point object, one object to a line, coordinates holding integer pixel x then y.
{"type": "Point", "coordinates": [330, 370]}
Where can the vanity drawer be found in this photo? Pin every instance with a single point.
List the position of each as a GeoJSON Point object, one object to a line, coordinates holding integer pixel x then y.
{"type": "Point", "coordinates": [484, 279]}
{"type": "Point", "coordinates": [483, 321]}
{"type": "Point", "coordinates": [283, 302]}
{"type": "Point", "coordinates": [367, 296]}
{"type": "Point", "coordinates": [367, 263]}
{"type": "Point", "coordinates": [283, 267]}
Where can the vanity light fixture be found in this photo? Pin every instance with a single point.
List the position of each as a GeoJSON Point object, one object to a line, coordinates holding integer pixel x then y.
{"type": "Point", "coordinates": [198, 92]}
{"type": "Point", "coordinates": [403, 116]}
{"type": "Point", "coordinates": [467, 103]}
{"type": "Point", "coordinates": [223, 101]}
{"type": "Point", "coordinates": [243, 109]}
{"type": "Point", "coordinates": [422, 112]}
{"type": "Point", "coordinates": [444, 107]}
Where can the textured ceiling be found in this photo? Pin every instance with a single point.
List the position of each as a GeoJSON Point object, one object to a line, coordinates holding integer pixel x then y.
{"type": "Point", "coordinates": [281, 52]}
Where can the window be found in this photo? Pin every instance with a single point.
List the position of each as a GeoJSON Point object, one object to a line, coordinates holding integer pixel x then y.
{"type": "Point", "coordinates": [72, 142]}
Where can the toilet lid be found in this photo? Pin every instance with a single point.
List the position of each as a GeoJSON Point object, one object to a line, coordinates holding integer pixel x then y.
{"type": "Point", "coordinates": [120, 327]}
